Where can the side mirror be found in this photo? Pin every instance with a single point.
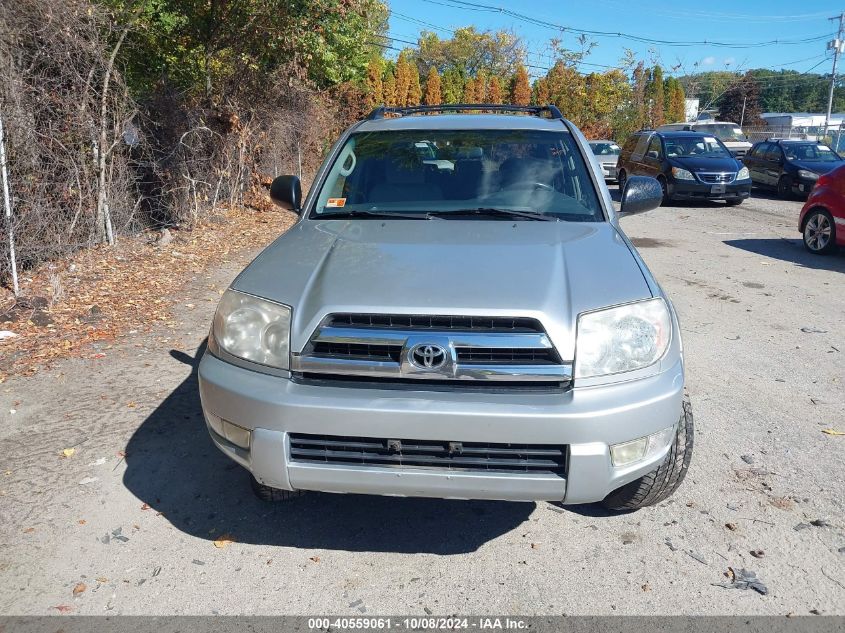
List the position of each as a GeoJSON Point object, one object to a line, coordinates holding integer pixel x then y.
{"type": "Point", "coordinates": [286, 192]}
{"type": "Point", "coordinates": [641, 194]}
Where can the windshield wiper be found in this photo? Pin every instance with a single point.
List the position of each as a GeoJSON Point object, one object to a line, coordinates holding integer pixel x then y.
{"type": "Point", "coordinates": [495, 212]}
{"type": "Point", "coordinates": [363, 213]}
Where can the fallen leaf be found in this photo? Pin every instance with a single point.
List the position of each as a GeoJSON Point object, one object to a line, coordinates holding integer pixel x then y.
{"type": "Point", "coordinates": [63, 608]}
{"type": "Point", "coordinates": [102, 579]}
{"type": "Point", "coordinates": [79, 588]}
{"type": "Point", "coordinates": [146, 506]}
{"type": "Point", "coordinates": [131, 405]}
{"type": "Point", "coordinates": [68, 452]}
{"type": "Point", "coordinates": [315, 559]}
{"type": "Point", "coordinates": [82, 521]}
{"type": "Point", "coordinates": [731, 526]}
{"type": "Point", "coordinates": [646, 587]}
{"type": "Point", "coordinates": [223, 540]}
{"type": "Point", "coordinates": [29, 530]}
{"type": "Point", "coordinates": [833, 432]}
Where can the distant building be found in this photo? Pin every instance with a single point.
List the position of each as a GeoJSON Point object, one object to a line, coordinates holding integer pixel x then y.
{"type": "Point", "coordinates": [691, 109]}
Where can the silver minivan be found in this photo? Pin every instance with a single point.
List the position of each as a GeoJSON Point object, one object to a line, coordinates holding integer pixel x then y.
{"type": "Point", "coordinates": [730, 134]}
{"type": "Point", "coordinates": [465, 322]}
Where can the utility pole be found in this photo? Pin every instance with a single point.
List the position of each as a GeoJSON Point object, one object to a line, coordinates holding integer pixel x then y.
{"type": "Point", "coordinates": [837, 45]}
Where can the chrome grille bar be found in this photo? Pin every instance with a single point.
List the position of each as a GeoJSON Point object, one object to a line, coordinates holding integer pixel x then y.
{"type": "Point", "coordinates": [498, 349]}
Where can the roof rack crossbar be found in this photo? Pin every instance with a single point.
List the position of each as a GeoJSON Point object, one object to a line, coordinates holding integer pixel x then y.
{"type": "Point", "coordinates": [380, 112]}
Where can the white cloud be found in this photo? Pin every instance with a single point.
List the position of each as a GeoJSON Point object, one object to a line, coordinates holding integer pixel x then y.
{"type": "Point", "coordinates": [708, 61]}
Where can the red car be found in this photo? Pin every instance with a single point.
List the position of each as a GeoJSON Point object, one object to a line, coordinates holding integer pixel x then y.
{"type": "Point", "coordinates": [822, 220]}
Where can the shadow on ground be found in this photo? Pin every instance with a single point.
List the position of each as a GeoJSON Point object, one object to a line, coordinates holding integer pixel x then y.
{"type": "Point", "coordinates": [790, 251]}
{"type": "Point", "coordinates": [173, 466]}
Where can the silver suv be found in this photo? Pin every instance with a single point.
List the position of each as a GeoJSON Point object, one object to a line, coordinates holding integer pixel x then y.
{"type": "Point", "coordinates": [456, 314]}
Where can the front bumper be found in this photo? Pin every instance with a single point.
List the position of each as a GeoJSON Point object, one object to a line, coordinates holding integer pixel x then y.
{"type": "Point", "coordinates": [586, 420]}
{"type": "Point", "coordinates": [803, 186]}
{"type": "Point", "coordinates": [609, 171]}
{"type": "Point", "coordinates": [694, 190]}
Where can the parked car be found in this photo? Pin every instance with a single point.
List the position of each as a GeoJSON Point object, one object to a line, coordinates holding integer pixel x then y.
{"type": "Point", "coordinates": [688, 165]}
{"type": "Point", "coordinates": [729, 133]}
{"type": "Point", "coordinates": [483, 333]}
{"type": "Point", "coordinates": [607, 154]}
{"type": "Point", "coordinates": [788, 166]}
{"type": "Point", "coordinates": [822, 219]}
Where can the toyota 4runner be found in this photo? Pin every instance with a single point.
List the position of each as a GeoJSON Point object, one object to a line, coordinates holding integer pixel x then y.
{"type": "Point", "coordinates": [456, 314]}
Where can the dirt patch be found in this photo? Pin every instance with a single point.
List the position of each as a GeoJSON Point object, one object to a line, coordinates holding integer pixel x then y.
{"type": "Point", "coordinates": [753, 284]}
{"type": "Point", "coordinates": [101, 292]}
{"type": "Point", "coordinates": [649, 242]}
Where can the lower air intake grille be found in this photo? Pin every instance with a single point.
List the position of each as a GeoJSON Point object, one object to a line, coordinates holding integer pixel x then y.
{"type": "Point", "coordinates": [444, 455]}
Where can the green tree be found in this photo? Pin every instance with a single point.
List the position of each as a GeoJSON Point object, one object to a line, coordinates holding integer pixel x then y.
{"type": "Point", "coordinates": [472, 52]}
{"type": "Point", "coordinates": [655, 98]}
{"type": "Point", "coordinates": [453, 85]}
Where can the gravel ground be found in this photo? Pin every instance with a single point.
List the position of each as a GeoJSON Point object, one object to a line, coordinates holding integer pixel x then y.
{"type": "Point", "coordinates": [127, 524]}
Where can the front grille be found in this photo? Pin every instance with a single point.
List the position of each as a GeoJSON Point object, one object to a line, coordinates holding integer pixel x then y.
{"type": "Point", "coordinates": [716, 178]}
{"type": "Point", "coordinates": [359, 351]}
{"type": "Point", "coordinates": [443, 455]}
{"type": "Point", "coordinates": [506, 356]}
{"type": "Point", "coordinates": [388, 347]}
{"type": "Point", "coordinates": [427, 322]}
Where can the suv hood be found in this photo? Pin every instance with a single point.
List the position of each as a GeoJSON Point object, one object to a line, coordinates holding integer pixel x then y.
{"type": "Point", "coordinates": [549, 271]}
{"type": "Point", "coordinates": [695, 164]}
{"type": "Point", "coordinates": [818, 167]}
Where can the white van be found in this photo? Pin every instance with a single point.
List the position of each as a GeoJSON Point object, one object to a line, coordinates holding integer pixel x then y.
{"type": "Point", "coordinates": [729, 133]}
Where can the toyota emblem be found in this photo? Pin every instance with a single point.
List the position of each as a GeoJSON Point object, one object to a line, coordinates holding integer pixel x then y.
{"type": "Point", "coordinates": [426, 356]}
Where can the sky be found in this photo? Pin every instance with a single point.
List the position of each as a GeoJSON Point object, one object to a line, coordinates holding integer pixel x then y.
{"type": "Point", "coordinates": [801, 29]}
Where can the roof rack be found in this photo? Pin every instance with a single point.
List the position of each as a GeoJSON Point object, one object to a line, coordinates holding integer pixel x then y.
{"type": "Point", "coordinates": [551, 110]}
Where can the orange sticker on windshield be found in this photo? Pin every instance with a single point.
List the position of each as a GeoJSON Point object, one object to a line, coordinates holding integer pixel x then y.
{"type": "Point", "coordinates": [335, 202]}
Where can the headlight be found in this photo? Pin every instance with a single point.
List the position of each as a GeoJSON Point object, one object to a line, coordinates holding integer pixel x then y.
{"type": "Point", "coordinates": [682, 174]}
{"type": "Point", "coordinates": [809, 175]}
{"type": "Point", "coordinates": [743, 174]}
{"type": "Point", "coordinates": [622, 339]}
{"type": "Point", "coordinates": [253, 329]}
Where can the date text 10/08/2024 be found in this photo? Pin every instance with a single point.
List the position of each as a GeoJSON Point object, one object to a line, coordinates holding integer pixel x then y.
{"type": "Point", "coordinates": [417, 623]}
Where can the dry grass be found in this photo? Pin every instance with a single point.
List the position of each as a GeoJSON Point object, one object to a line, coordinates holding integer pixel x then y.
{"type": "Point", "coordinates": [99, 293]}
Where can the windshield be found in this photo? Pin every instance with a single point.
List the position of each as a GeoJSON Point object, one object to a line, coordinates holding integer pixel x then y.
{"type": "Point", "coordinates": [723, 131]}
{"type": "Point", "coordinates": [605, 149]}
{"type": "Point", "coordinates": [697, 146]}
{"type": "Point", "coordinates": [811, 152]}
{"type": "Point", "coordinates": [416, 172]}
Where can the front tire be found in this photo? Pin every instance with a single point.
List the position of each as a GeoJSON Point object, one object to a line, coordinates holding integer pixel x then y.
{"type": "Point", "coordinates": [785, 187]}
{"type": "Point", "coordinates": [659, 484]}
{"type": "Point", "coordinates": [819, 232]}
{"type": "Point", "coordinates": [270, 494]}
{"type": "Point", "coordinates": [667, 197]}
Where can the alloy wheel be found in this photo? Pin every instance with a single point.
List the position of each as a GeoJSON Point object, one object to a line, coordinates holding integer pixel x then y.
{"type": "Point", "coordinates": [817, 232]}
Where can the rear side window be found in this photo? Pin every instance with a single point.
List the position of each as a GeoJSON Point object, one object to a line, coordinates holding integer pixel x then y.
{"type": "Point", "coordinates": [642, 142]}
{"type": "Point", "coordinates": [631, 143]}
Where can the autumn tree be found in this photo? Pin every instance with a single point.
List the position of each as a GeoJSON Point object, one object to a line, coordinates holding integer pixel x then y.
{"type": "Point", "coordinates": [520, 92]}
{"type": "Point", "coordinates": [540, 94]}
{"type": "Point", "coordinates": [675, 101]}
{"type": "Point", "coordinates": [471, 90]}
{"type": "Point", "coordinates": [433, 95]}
{"type": "Point", "coordinates": [389, 88]}
{"type": "Point", "coordinates": [375, 85]}
{"type": "Point", "coordinates": [472, 52]}
{"type": "Point", "coordinates": [414, 90]}
{"type": "Point", "coordinates": [494, 90]}
{"type": "Point", "coordinates": [403, 79]}
{"type": "Point", "coordinates": [655, 97]}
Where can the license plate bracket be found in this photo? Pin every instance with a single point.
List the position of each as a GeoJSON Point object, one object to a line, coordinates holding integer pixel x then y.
{"type": "Point", "coordinates": [717, 189]}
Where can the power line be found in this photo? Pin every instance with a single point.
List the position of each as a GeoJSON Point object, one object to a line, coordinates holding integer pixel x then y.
{"type": "Point", "coordinates": [475, 6]}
